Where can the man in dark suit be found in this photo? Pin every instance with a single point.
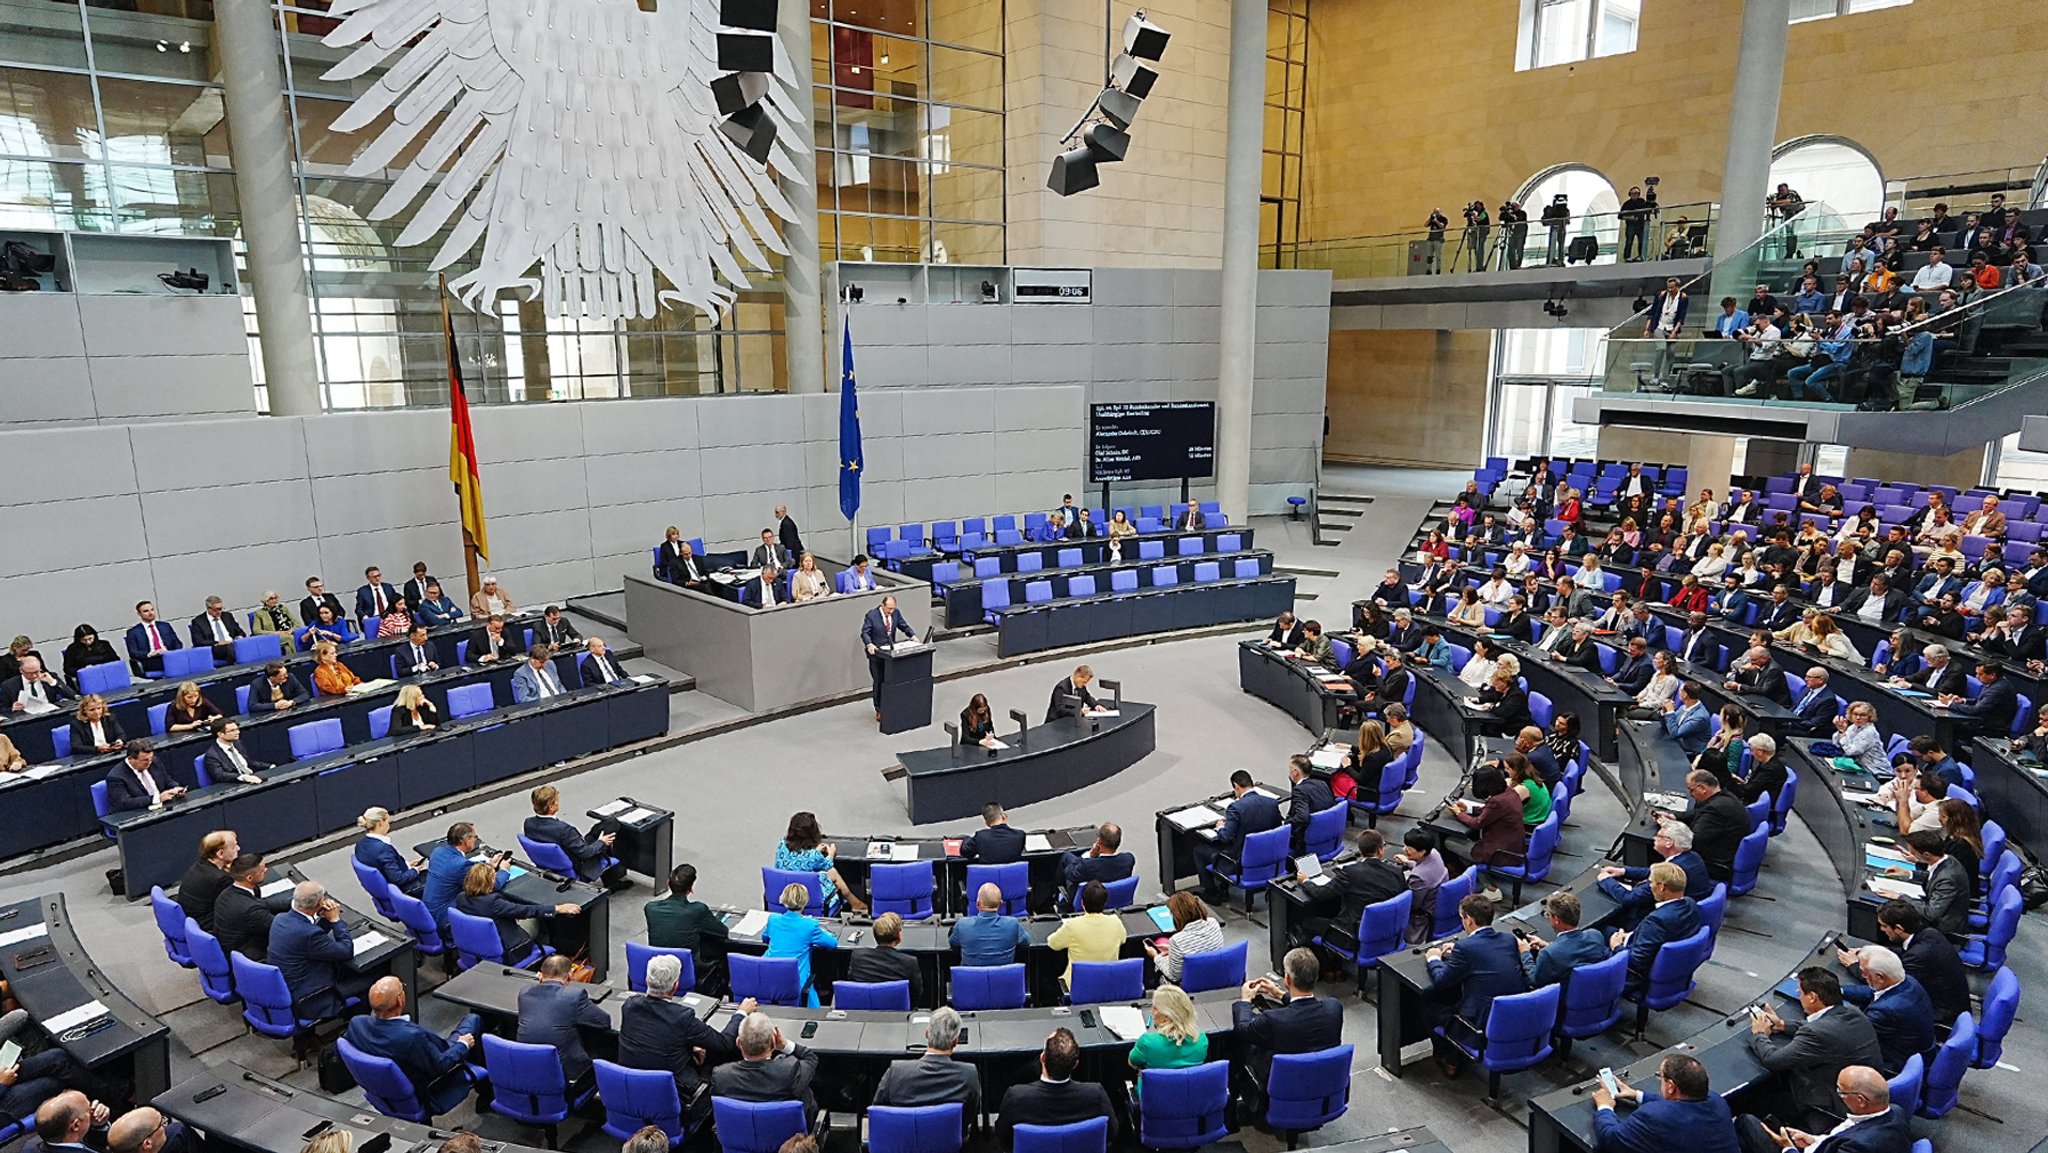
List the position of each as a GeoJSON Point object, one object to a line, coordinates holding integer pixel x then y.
{"type": "Point", "coordinates": [554, 1010]}
{"type": "Point", "coordinates": [224, 759]}
{"type": "Point", "coordinates": [770, 1068]}
{"type": "Point", "coordinates": [1191, 519]}
{"type": "Point", "coordinates": [1780, 611]}
{"type": "Point", "coordinates": [1672, 917]}
{"type": "Point", "coordinates": [241, 916]}
{"type": "Point", "coordinates": [1682, 1113]}
{"type": "Point", "coordinates": [1293, 1020]}
{"type": "Point", "coordinates": [1633, 670]}
{"type": "Point", "coordinates": [69, 1114]}
{"type": "Point", "coordinates": [589, 852]}
{"type": "Point", "coordinates": [216, 628]}
{"type": "Point", "coordinates": [1628, 888]}
{"type": "Point", "coordinates": [415, 590]}
{"type": "Point", "coordinates": [1580, 650]}
{"type": "Point", "coordinates": [1948, 884]}
{"type": "Point", "coordinates": [1896, 1004]}
{"type": "Point", "coordinates": [934, 1078]}
{"type": "Point", "coordinates": [1366, 881]}
{"type": "Point", "coordinates": [136, 784]}
{"type": "Point", "coordinates": [1105, 861]}
{"type": "Point", "coordinates": [995, 843]}
{"type": "Point", "coordinates": [1056, 1098]}
{"type": "Point", "coordinates": [375, 598]}
{"type": "Point", "coordinates": [1071, 698]}
{"type": "Point", "coordinates": [492, 642]}
{"type": "Point", "coordinates": [599, 667]}
{"type": "Point", "coordinates": [887, 961]}
{"type": "Point", "coordinates": [677, 922]}
{"type": "Point", "coordinates": [879, 630]}
{"type": "Point", "coordinates": [310, 944]}
{"type": "Point", "coordinates": [1389, 688]}
{"type": "Point", "coordinates": [785, 527]}
{"type": "Point", "coordinates": [1991, 713]}
{"type": "Point", "coordinates": [275, 690]}
{"type": "Point", "coordinates": [769, 553]}
{"type": "Point", "coordinates": [2021, 639]}
{"type": "Point", "coordinates": [436, 1065]}
{"type": "Point", "coordinates": [1309, 796]}
{"type": "Point", "coordinates": [1940, 675]}
{"type": "Point", "coordinates": [555, 629]}
{"type": "Point", "coordinates": [1551, 962]}
{"type": "Point", "coordinates": [1756, 676]}
{"type": "Point", "coordinates": [1873, 1124]}
{"type": "Point", "coordinates": [1876, 603]}
{"type": "Point", "coordinates": [33, 689]}
{"type": "Point", "coordinates": [680, 565]}
{"type": "Point", "coordinates": [317, 595]}
{"type": "Point", "coordinates": [1250, 811]}
{"type": "Point", "coordinates": [1929, 958]}
{"type": "Point", "coordinates": [208, 875]}
{"type": "Point", "coordinates": [1477, 967]}
{"type": "Point", "coordinates": [1812, 1053]}
{"type": "Point", "coordinates": [148, 640]}
{"type": "Point", "coordinates": [657, 1031]}
{"type": "Point", "coordinates": [1731, 602]}
{"type": "Point", "coordinates": [1815, 711]}
{"type": "Point", "coordinates": [417, 655]}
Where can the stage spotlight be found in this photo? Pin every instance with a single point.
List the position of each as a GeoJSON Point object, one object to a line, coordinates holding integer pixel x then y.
{"type": "Point", "coordinates": [1119, 108]}
{"type": "Point", "coordinates": [752, 130]}
{"type": "Point", "coordinates": [738, 91]}
{"type": "Point", "coordinates": [1073, 171]}
{"type": "Point", "coordinates": [1103, 132]}
{"type": "Point", "coordinates": [1106, 144]}
{"type": "Point", "coordinates": [1144, 39]}
{"type": "Point", "coordinates": [758, 15]}
{"type": "Point", "coordinates": [745, 52]}
{"type": "Point", "coordinates": [1127, 75]}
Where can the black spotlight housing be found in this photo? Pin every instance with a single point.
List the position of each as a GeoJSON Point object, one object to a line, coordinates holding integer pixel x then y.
{"type": "Point", "coordinates": [758, 15]}
{"type": "Point", "coordinates": [745, 52]}
{"type": "Point", "coordinates": [753, 130]}
{"type": "Point", "coordinates": [739, 90]}
{"type": "Point", "coordinates": [1144, 39]}
{"type": "Point", "coordinates": [1074, 171]}
{"type": "Point", "coordinates": [1128, 75]}
{"type": "Point", "coordinates": [1107, 144]}
{"type": "Point", "coordinates": [1119, 108]}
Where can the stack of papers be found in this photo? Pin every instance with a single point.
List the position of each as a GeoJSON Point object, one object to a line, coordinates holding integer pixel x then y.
{"type": "Point", "coordinates": [618, 806]}
{"type": "Point", "coordinates": [1891, 856]}
{"type": "Point", "coordinates": [751, 924]}
{"type": "Point", "coordinates": [1886, 887]}
{"type": "Point", "coordinates": [91, 1010]}
{"type": "Point", "coordinates": [281, 885]}
{"type": "Point", "coordinates": [643, 679]}
{"type": "Point", "coordinates": [1127, 1022]}
{"type": "Point", "coordinates": [636, 816]}
{"type": "Point", "coordinates": [1037, 843]}
{"type": "Point", "coordinates": [1266, 792]}
{"type": "Point", "coordinates": [1198, 817]}
{"type": "Point", "coordinates": [19, 935]}
{"type": "Point", "coordinates": [1669, 802]}
{"type": "Point", "coordinates": [1329, 757]}
{"type": "Point", "coordinates": [994, 744]}
{"type": "Point", "coordinates": [368, 941]}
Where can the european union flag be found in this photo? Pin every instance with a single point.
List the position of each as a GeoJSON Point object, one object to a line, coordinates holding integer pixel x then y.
{"type": "Point", "coordinates": [849, 428]}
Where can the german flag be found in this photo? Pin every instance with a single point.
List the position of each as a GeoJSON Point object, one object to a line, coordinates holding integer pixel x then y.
{"type": "Point", "coordinates": [463, 467]}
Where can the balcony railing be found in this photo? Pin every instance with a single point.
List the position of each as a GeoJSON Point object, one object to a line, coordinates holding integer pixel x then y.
{"type": "Point", "coordinates": [1674, 231]}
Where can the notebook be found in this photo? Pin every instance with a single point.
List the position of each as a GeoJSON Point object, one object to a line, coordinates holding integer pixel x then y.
{"type": "Point", "coordinates": [1197, 817]}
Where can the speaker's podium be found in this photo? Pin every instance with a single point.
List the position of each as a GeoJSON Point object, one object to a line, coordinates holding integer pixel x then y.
{"type": "Point", "coordinates": [906, 686]}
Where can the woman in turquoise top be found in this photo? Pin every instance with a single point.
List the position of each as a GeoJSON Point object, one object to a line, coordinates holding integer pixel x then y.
{"type": "Point", "coordinates": [804, 849]}
{"type": "Point", "coordinates": [1174, 1041]}
{"type": "Point", "coordinates": [792, 934]}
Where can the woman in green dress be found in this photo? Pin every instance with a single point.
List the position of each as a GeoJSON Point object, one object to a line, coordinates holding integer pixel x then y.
{"type": "Point", "coordinates": [1174, 1041]}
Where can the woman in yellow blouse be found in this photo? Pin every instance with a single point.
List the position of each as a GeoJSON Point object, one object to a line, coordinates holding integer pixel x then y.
{"type": "Point", "coordinates": [330, 676]}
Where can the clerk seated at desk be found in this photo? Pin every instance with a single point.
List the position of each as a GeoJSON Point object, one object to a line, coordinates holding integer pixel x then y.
{"type": "Point", "coordinates": [1683, 1112]}
{"type": "Point", "coordinates": [762, 589]}
{"type": "Point", "coordinates": [1250, 811]}
{"type": "Point", "coordinates": [136, 784]}
{"type": "Point", "coordinates": [535, 680]}
{"type": "Point", "coordinates": [1551, 962]}
{"type": "Point", "coordinates": [978, 727]}
{"type": "Point", "coordinates": [481, 898]}
{"type": "Point", "coordinates": [1071, 698]}
{"type": "Point", "coordinates": [1308, 796]}
{"type": "Point", "coordinates": [995, 843]}
{"type": "Point", "coordinates": [1626, 887]}
{"type": "Point", "coordinates": [1105, 861]}
{"type": "Point", "coordinates": [437, 1066]}
{"type": "Point", "coordinates": [275, 691]}
{"type": "Point", "coordinates": [224, 759]}
{"type": "Point", "coordinates": [376, 851]}
{"type": "Point", "coordinates": [310, 944]}
{"type": "Point", "coordinates": [1478, 967]}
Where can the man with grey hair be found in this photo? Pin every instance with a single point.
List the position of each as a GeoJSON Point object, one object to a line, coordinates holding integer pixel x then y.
{"type": "Point", "coordinates": [1818, 706]}
{"type": "Point", "coordinates": [770, 1067]}
{"type": "Point", "coordinates": [1756, 676]}
{"type": "Point", "coordinates": [658, 1031]}
{"type": "Point", "coordinates": [1898, 1006]}
{"type": "Point", "coordinates": [216, 627]}
{"type": "Point", "coordinates": [1717, 821]}
{"type": "Point", "coordinates": [1629, 890]}
{"type": "Point", "coordinates": [1937, 673]}
{"type": "Point", "coordinates": [1268, 1019]}
{"type": "Point", "coordinates": [935, 1078]}
{"type": "Point", "coordinates": [310, 944]}
{"type": "Point", "coordinates": [1768, 776]}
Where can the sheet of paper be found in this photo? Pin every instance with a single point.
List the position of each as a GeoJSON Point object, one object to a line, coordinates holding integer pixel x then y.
{"type": "Point", "coordinates": [1200, 816]}
{"type": "Point", "coordinates": [1886, 887]}
{"type": "Point", "coordinates": [878, 851]}
{"type": "Point", "coordinates": [79, 1016]}
{"type": "Point", "coordinates": [1127, 1022]}
{"type": "Point", "coordinates": [272, 889]}
{"type": "Point", "coordinates": [1328, 757]}
{"type": "Point", "coordinates": [368, 941]}
{"type": "Point", "coordinates": [636, 816]}
{"type": "Point", "coordinates": [751, 924]}
{"type": "Point", "coordinates": [993, 743]}
{"type": "Point", "coordinates": [1886, 852]}
{"type": "Point", "coordinates": [618, 806]}
{"type": "Point", "coordinates": [1106, 713]}
{"type": "Point", "coordinates": [903, 851]}
{"type": "Point", "coordinates": [19, 935]}
{"type": "Point", "coordinates": [643, 679]}
{"type": "Point", "coordinates": [40, 771]}
{"type": "Point", "coordinates": [1037, 843]}
{"type": "Point", "coordinates": [1265, 792]}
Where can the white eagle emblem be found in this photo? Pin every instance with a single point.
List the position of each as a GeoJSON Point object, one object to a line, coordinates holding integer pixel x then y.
{"type": "Point", "coordinates": [577, 134]}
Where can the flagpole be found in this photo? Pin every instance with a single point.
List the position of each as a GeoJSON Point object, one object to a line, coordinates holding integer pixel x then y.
{"type": "Point", "coordinates": [469, 566]}
{"type": "Point", "coordinates": [853, 544]}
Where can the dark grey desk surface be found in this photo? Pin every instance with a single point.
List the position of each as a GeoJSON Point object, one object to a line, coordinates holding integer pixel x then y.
{"type": "Point", "coordinates": [254, 1112]}
{"type": "Point", "coordinates": [69, 979]}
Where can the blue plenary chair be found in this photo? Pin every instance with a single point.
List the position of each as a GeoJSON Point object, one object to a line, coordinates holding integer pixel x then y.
{"type": "Point", "coordinates": [2001, 1002]}
{"type": "Point", "coordinates": [1099, 982]}
{"type": "Point", "coordinates": [1013, 879]}
{"type": "Point", "coordinates": [1671, 975]}
{"type": "Point", "coordinates": [170, 921]}
{"type": "Point", "coordinates": [103, 679]}
{"type": "Point", "coordinates": [527, 1084]}
{"type": "Point", "coordinates": [554, 858]}
{"type": "Point", "coordinates": [1517, 1035]}
{"type": "Point", "coordinates": [259, 648]}
{"type": "Point", "coordinates": [159, 716]}
{"type": "Point", "coordinates": [1030, 562]}
{"type": "Point", "coordinates": [916, 1129]}
{"type": "Point", "coordinates": [1308, 1091]}
{"type": "Point", "coordinates": [636, 1098]}
{"type": "Point", "coordinates": [1123, 580]}
{"type": "Point", "coordinates": [376, 886]}
{"type": "Point", "coordinates": [1081, 586]}
{"type": "Point", "coordinates": [1378, 933]}
{"type": "Point", "coordinates": [1325, 834]}
{"type": "Point", "coordinates": [976, 987]}
{"type": "Point", "coordinates": [477, 942]}
{"type": "Point", "coordinates": [1749, 860]}
{"type": "Point", "coordinates": [1906, 1085]}
{"type": "Point", "coordinates": [995, 598]}
{"type": "Point", "coordinates": [637, 956]}
{"type": "Point", "coordinates": [1122, 894]}
{"type": "Point", "coordinates": [380, 722]}
{"type": "Point", "coordinates": [1945, 1076]}
{"type": "Point", "coordinates": [1987, 950]}
{"type": "Point", "coordinates": [774, 880]}
{"type": "Point", "coordinates": [769, 980]}
{"type": "Point", "coordinates": [1591, 1002]}
{"type": "Point", "coordinates": [905, 890]}
{"type": "Point", "coordinates": [751, 1127]}
{"type": "Point", "coordinates": [216, 975]}
{"type": "Point", "coordinates": [889, 996]}
{"type": "Point", "coordinates": [469, 700]}
{"type": "Point", "coordinates": [1225, 968]}
{"type": "Point", "coordinates": [1183, 1108]}
{"type": "Point", "coordinates": [1536, 863]}
{"type": "Point", "coordinates": [1444, 918]}
{"type": "Point", "coordinates": [412, 913]}
{"type": "Point", "coordinates": [1263, 858]}
{"type": "Point", "coordinates": [267, 1001]}
{"type": "Point", "coordinates": [315, 737]}
{"type": "Point", "coordinates": [1090, 1136]}
{"type": "Point", "coordinates": [385, 1086]}
{"type": "Point", "coordinates": [181, 664]}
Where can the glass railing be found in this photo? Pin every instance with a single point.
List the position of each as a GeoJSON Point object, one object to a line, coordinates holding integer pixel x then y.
{"type": "Point", "coordinates": [2023, 186]}
{"type": "Point", "coordinates": [1672, 231]}
{"type": "Point", "coordinates": [1913, 357]}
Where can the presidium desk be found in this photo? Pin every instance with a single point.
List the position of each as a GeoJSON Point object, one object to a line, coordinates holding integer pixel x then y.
{"type": "Point", "coordinates": [768, 659]}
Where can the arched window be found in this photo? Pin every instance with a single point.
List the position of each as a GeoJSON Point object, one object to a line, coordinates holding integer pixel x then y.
{"type": "Point", "coordinates": [1834, 172]}
{"type": "Point", "coordinates": [1591, 198]}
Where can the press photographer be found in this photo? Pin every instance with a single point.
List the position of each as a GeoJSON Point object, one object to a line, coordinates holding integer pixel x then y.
{"type": "Point", "coordinates": [1433, 244]}
{"type": "Point", "coordinates": [1636, 212]}
{"type": "Point", "coordinates": [1477, 227]}
{"type": "Point", "coordinates": [1557, 216]}
{"type": "Point", "coordinates": [1514, 224]}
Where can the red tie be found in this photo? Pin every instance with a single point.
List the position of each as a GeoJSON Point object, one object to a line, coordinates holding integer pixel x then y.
{"type": "Point", "coordinates": [156, 643]}
{"type": "Point", "coordinates": [378, 594]}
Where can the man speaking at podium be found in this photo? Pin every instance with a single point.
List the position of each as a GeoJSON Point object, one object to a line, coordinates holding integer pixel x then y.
{"type": "Point", "coordinates": [880, 628]}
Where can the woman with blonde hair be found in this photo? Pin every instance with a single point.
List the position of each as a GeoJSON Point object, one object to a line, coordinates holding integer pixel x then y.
{"type": "Point", "coordinates": [94, 729]}
{"type": "Point", "coordinates": [1174, 1041]}
{"type": "Point", "coordinates": [189, 709]}
{"type": "Point", "coordinates": [807, 583]}
{"type": "Point", "coordinates": [481, 898]}
{"type": "Point", "coordinates": [330, 676]}
{"type": "Point", "coordinates": [1195, 930]}
{"type": "Point", "coordinates": [793, 933]}
{"type": "Point", "coordinates": [375, 851]}
{"type": "Point", "coordinates": [413, 712]}
{"type": "Point", "coordinates": [11, 760]}
{"type": "Point", "coordinates": [1827, 638]}
{"type": "Point", "coordinates": [332, 1141]}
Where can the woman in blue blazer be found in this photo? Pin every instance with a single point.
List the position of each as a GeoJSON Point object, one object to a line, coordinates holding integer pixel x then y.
{"type": "Point", "coordinates": [377, 851]}
{"type": "Point", "coordinates": [481, 898]}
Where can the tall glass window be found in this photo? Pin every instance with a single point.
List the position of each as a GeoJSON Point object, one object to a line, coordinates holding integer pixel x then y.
{"type": "Point", "coordinates": [1567, 31]}
{"type": "Point", "coordinates": [1280, 172]}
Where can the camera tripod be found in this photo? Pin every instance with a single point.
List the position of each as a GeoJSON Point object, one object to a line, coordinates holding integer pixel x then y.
{"type": "Point", "coordinates": [1472, 249]}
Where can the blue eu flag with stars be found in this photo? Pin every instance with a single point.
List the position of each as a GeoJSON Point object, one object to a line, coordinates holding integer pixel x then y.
{"type": "Point", "coordinates": [849, 428]}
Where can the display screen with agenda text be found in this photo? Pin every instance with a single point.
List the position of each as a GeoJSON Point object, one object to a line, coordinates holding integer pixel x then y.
{"type": "Point", "coordinates": [1151, 440]}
